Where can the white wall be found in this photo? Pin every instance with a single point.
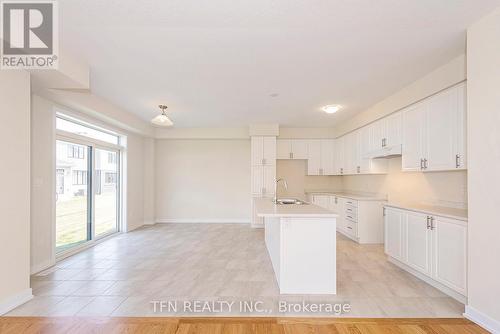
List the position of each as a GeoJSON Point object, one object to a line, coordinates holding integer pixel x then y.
{"type": "Point", "coordinates": [205, 179]}
{"type": "Point", "coordinates": [149, 180]}
{"type": "Point", "coordinates": [42, 175]}
{"type": "Point", "coordinates": [15, 193]}
{"type": "Point", "coordinates": [435, 188]}
{"type": "Point", "coordinates": [483, 87]}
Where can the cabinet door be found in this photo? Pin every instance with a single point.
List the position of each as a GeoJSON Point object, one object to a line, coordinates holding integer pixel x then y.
{"type": "Point", "coordinates": [314, 157]}
{"type": "Point", "coordinates": [299, 148]}
{"type": "Point", "coordinates": [441, 135]}
{"type": "Point", "coordinates": [450, 253]}
{"type": "Point", "coordinates": [393, 125]}
{"type": "Point", "coordinates": [341, 220]}
{"type": "Point", "coordinates": [269, 180]}
{"type": "Point", "coordinates": [418, 242]}
{"type": "Point", "coordinates": [339, 156]}
{"type": "Point", "coordinates": [334, 204]}
{"type": "Point", "coordinates": [364, 150]}
{"type": "Point", "coordinates": [269, 151]}
{"type": "Point", "coordinates": [351, 153]}
{"type": "Point", "coordinates": [327, 157]}
{"type": "Point", "coordinates": [393, 243]}
{"type": "Point", "coordinates": [322, 201]}
{"type": "Point", "coordinates": [283, 149]}
{"type": "Point", "coordinates": [378, 131]}
{"type": "Point", "coordinates": [257, 150]}
{"type": "Point", "coordinates": [413, 137]}
{"type": "Point", "coordinates": [257, 180]}
{"type": "Point", "coordinates": [461, 157]}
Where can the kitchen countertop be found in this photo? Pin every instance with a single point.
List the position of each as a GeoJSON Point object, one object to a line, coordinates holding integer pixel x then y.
{"type": "Point", "coordinates": [442, 211]}
{"type": "Point", "coordinates": [351, 195]}
{"type": "Point", "coordinates": [264, 207]}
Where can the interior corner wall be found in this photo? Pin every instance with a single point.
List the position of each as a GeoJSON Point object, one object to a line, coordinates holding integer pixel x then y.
{"type": "Point", "coordinates": [135, 184]}
{"type": "Point", "coordinates": [483, 92]}
{"type": "Point", "coordinates": [15, 193]}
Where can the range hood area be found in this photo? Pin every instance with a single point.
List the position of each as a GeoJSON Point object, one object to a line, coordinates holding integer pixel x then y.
{"type": "Point", "coordinates": [386, 152]}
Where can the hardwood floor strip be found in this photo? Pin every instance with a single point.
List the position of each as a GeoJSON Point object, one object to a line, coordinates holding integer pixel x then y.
{"type": "Point", "coordinates": [140, 325]}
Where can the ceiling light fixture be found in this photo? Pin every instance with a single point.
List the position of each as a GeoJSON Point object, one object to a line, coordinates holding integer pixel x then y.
{"type": "Point", "coordinates": [331, 109]}
{"type": "Point", "coordinates": [162, 119]}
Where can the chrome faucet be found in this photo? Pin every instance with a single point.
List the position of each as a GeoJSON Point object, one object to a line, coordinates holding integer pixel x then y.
{"type": "Point", "coordinates": [285, 184]}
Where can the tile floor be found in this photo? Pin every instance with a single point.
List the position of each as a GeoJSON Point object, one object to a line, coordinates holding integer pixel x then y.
{"type": "Point", "coordinates": [213, 263]}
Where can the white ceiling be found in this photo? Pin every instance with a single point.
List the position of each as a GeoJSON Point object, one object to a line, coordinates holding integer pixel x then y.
{"type": "Point", "coordinates": [217, 63]}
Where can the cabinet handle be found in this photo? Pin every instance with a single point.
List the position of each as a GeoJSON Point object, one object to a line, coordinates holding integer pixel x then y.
{"type": "Point", "coordinates": [383, 211]}
{"type": "Point", "coordinates": [359, 169]}
{"type": "Point", "coordinates": [382, 142]}
{"type": "Point", "coordinates": [342, 171]}
{"type": "Point", "coordinates": [432, 223]}
{"type": "Point", "coordinates": [425, 163]}
{"type": "Point", "coordinates": [291, 155]}
{"type": "Point", "coordinates": [421, 163]}
{"type": "Point", "coordinates": [428, 222]}
{"type": "Point", "coordinates": [336, 200]}
{"type": "Point", "coordinates": [349, 217]}
{"type": "Point", "coordinates": [457, 161]}
{"type": "Point", "coordinates": [349, 227]}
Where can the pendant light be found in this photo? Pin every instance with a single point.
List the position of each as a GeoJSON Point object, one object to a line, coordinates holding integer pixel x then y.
{"type": "Point", "coordinates": [162, 119]}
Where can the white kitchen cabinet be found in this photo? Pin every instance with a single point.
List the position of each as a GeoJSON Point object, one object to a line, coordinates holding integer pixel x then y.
{"type": "Point", "coordinates": [418, 242]}
{"type": "Point", "coordinates": [429, 246]}
{"type": "Point", "coordinates": [394, 229]}
{"type": "Point", "coordinates": [386, 132]}
{"type": "Point", "coordinates": [434, 132]}
{"type": "Point", "coordinates": [414, 124]}
{"type": "Point", "coordinates": [450, 253]}
{"type": "Point", "coordinates": [321, 158]}
{"type": "Point", "coordinates": [351, 153]}
{"type": "Point", "coordinates": [263, 150]}
{"type": "Point", "coordinates": [339, 163]}
{"type": "Point", "coordinates": [263, 178]}
{"type": "Point", "coordinates": [291, 148]}
{"type": "Point", "coordinates": [322, 201]}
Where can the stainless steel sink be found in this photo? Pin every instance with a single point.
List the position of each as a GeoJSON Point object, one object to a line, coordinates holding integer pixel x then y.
{"type": "Point", "coordinates": [288, 201]}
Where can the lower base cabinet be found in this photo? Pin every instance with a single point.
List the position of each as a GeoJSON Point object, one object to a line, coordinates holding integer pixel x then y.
{"type": "Point", "coordinates": [433, 246]}
{"type": "Point", "coordinates": [359, 220]}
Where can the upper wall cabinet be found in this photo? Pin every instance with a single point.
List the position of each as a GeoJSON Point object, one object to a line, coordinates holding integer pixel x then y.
{"type": "Point", "coordinates": [434, 132]}
{"type": "Point", "coordinates": [292, 148]}
{"type": "Point", "coordinates": [263, 151]}
{"type": "Point", "coordinates": [386, 132]}
{"type": "Point", "coordinates": [321, 157]}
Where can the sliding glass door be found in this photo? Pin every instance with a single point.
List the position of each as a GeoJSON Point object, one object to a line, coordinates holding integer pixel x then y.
{"type": "Point", "coordinates": [87, 193]}
{"type": "Point", "coordinates": [106, 191]}
{"type": "Point", "coordinates": [73, 166]}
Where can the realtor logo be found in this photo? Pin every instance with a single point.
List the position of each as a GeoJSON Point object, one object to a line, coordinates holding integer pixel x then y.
{"type": "Point", "coordinates": [29, 35]}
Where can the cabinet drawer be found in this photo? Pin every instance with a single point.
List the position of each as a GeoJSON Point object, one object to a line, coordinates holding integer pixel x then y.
{"type": "Point", "coordinates": [351, 202]}
{"type": "Point", "coordinates": [351, 210]}
{"type": "Point", "coordinates": [351, 227]}
{"type": "Point", "coordinates": [351, 216]}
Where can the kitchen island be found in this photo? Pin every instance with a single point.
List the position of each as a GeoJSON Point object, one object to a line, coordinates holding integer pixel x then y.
{"type": "Point", "coordinates": [301, 242]}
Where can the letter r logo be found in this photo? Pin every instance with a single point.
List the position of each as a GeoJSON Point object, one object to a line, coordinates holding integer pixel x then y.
{"type": "Point", "coordinates": [27, 28]}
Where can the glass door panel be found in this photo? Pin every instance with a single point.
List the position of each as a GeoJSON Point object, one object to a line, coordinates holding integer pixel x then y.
{"type": "Point", "coordinates": [72, 194]}
{"type": "Point", "coordinates": [106, 178]}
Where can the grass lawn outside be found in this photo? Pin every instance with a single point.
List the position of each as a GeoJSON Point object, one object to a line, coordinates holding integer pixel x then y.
{"type": "Point", "coordinates": [71, 219]}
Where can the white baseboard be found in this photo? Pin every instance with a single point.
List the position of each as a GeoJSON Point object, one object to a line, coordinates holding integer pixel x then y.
{"type": "Point", "coordinates": [482, 319]}
{"type": "Point", "coordinates": [203, 221]}
{"type": "Point", "coordinates": [12, 302]}
{"type": "Point", "coordinates": [42, 266]}
{"type": "Point", "coordinates": [443, 288]}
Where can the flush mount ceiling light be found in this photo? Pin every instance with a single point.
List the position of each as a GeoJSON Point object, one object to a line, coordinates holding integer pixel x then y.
{"type": "Point", "coordinates": [331, 108]}
{"type": "Point", "coordinates": [162, 119]}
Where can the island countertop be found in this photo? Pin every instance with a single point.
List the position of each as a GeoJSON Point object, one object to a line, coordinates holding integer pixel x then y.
{"type": "Point", "coordinates": [264, 207]}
